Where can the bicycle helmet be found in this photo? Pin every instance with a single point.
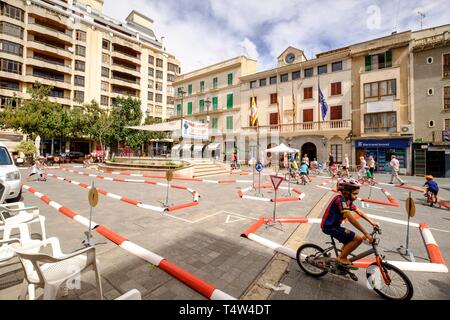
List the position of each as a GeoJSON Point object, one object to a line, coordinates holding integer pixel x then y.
{"type": "Point", "coordinates": [347, 184]}
{"type": "Point", "coordinates": [429, 177]}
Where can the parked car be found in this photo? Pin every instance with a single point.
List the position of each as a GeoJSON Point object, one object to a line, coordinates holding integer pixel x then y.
{"type": "Point", "coordinates": [10, 174]}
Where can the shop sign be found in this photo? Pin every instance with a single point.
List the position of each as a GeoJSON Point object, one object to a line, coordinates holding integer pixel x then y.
{"type": "Point", "coordinates": [383, 143]}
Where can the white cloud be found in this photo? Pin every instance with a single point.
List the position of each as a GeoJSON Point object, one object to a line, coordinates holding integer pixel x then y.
{"type": "Point", "coordinates": [203, 32]}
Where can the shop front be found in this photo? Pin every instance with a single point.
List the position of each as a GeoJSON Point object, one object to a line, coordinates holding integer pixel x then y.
{"type": "Point", "coordinates": [382, 150]}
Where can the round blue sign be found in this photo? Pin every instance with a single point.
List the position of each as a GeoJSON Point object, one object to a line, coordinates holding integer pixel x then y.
{"type": "Point", "coordinates": [259, 166]}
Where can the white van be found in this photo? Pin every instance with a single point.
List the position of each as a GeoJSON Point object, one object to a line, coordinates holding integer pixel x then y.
{"type": "Point", "coordinates": [10, 175]}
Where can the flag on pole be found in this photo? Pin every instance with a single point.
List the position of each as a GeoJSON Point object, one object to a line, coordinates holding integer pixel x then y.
{"type": "Point", "coordinates": [253, 113]}
{"type": "Point", "coordinates": [294, 111]}
{"type": "Point", "coordinates": [323, 104]}
{"type": "Point", "coordinates": [279, 113]}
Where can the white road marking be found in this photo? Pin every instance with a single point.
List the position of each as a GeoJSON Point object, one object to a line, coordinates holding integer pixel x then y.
{"type": "Point", "coordinates": [231, 219]}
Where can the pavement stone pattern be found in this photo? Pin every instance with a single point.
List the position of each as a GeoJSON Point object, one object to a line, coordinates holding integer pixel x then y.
{"type": "Point", "coordinates": [205, 239]}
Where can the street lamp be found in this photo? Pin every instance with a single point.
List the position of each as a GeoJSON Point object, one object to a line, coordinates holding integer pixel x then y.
{"type": "Point", "coordinates": [181, 93]}
{"type": "Point", "coordinates": [208, 103]}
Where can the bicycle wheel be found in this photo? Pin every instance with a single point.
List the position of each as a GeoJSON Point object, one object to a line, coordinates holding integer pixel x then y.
{"type": "Point", "coordinates": [311, 251]}
{"type": "Point", "coordinates": [399, 288]}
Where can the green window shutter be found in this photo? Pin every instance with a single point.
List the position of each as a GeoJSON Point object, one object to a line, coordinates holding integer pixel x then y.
{"type": "Point", "coordinates": [215, 102]}
{"type": "Point", "coordinates": [388, 58]}
{"type": "Point", "coordinates": [202, 86]}
{"type": "Point", "coordinates": [230, 123]}
{"type": "Point", "coordinates": [368, 63]}
{"type": "Point", "coordinates": [215, 83]}
{"type": "Point", "coordinates": [230, 101]}
{"type": "Point", "coordinates": [214, 123]}
{"type": "Point", "coordinates": [179, 109]}
{"type": "Point", "coordinates": [189, 111]}
{"type": "Point", "coordinates": [230, 79]}
{"type": "Point", "coordinates": [190, 89]}
{"type": "Point", "coordinates": [202, 105]}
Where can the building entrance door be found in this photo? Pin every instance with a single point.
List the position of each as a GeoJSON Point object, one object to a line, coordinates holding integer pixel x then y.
{"type": "Point", "coordinates": [310, 149]}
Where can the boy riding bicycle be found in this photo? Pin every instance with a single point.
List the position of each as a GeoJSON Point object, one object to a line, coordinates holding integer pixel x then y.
{"type": "Point", "coordinates": [432, 187]}
{"type": "Point", "coordinates": [339, 209]}
{"type": "Point", "coordinates": [304, 171]}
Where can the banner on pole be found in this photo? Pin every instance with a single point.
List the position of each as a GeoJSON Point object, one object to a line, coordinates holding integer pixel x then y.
{"type": "Point", "coordinates": [195, 130]}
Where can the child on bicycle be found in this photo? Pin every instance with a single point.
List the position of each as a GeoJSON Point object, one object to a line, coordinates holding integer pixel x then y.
{"type": "Point", "coordinates": [304, 171]}
{"type": "Point", "coordinates": [432, 187]}
{"type": "Point", "coordinates": [340, 208]}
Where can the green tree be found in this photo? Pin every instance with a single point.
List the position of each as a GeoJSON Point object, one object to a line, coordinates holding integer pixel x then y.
{"type": "Point", "coordinates": [26, 147]}
{"type": "Point", "coordinates": [125, 112]}
{"type": "Point", "coordinates": [98, 124]}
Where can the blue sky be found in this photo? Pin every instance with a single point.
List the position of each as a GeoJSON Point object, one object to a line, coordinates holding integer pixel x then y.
{"type": "Point", "coordinates": [204, 32]}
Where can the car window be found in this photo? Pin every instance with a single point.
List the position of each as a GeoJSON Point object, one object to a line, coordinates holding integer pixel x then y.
{"type": "Point", "coordinates": [5, 159]}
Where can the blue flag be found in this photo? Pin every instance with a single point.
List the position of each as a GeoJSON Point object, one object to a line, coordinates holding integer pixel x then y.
{"type": "Point", "coordinates": [323, 104]}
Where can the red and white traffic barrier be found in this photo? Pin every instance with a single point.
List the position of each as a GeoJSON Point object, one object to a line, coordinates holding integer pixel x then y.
{"type": "Point", "coordinates": [300, 196]}
{"type": "Point", "coordinates": [391, 199]}
{"type": "Point", "coordinates": [194, 193]}
{"type": "Point", "coordinates": [135, 202]}
{"type": "Point", "coordinates": [112, 195]}
{"type": "Point", "coordinates": [204, 288]}
{"type": "Point", "coordinates": [250, 234]}
{"type": "Point", "coordinates": [411, 188]}
{"type": "Point", "coordinates": [432, 248]}
{"type": "Point", "coordinates": [162, 177]}
{"type": "Point", "coordinates": [444, 204]}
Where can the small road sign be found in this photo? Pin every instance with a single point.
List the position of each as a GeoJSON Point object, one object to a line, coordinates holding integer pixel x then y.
{"type": "Point", "coordinates": [93, 197]}
{"type": "Point", "coordinates": [259, 166]}
{"type": "Point", "coordinates": [276, 181]}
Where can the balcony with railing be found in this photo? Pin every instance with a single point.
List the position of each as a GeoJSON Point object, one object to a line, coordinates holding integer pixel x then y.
{"type": "Point", "coordinates": [125, 80]}
{"type": "Point", "coordinates": [41, 60]}
{"type": "Point", "coordinates": [43, 44]}
{"type": "Point", "coordinates": [42, 28]}
{"type": "Point", "coordinates": [303, 127]}
{"type": "Point", "coordinates": [440, 136]}
{"type": "Point", "coordinates": [126, 53]}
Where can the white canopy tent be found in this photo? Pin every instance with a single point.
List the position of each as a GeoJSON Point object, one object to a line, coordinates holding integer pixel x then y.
{"type": "Point", "coordinates": [282, 148]}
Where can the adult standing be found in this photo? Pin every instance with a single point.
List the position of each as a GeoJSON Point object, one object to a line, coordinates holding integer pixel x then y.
{"type": "Point", "coordinates": [362, 169]}
{"type": "Point", "coordinates": [330, 164]}
{"type": "Point", "coordinates": [395, 165]}
{"type": "Point", "coordinates": [371, 165]}
{"type": "Point", "coordinates": [346, 165]}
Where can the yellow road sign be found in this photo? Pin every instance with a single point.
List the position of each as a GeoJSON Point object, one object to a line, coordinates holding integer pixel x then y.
{"type": "Point", "coordinates": [93, 197]}
{"type": "Point", "coordinates": [410, 207]}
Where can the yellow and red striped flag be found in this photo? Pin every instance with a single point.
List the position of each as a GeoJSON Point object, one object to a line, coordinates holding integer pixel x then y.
{"type": "Point", "coordinates": [253, 113]}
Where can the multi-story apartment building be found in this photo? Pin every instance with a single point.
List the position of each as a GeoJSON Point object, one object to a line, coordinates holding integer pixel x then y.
{"type": "Point", "coordinates": [213, 94]}
{"type": "Point", "coordinates": [430, 100]}
{"type": "Point", "coordinates": [382, 122]}
{"type": "Point", "coordinates": [84, 55]}
{"type": "Point", "coordinates": [287, 99]}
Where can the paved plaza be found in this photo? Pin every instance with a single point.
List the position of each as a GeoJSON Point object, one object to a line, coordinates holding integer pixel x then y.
{"type": "Point", "coordinates": [205, 240]}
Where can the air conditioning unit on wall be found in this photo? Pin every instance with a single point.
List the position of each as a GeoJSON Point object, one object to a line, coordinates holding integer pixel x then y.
{"type": "Point", "coordinates": [409, 129]}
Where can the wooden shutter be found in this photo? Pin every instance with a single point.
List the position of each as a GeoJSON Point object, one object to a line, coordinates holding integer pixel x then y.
{"type": "Point", "coordinates": [202, 105]}
{"type": "Point", "coordinates": [336, 113]}
{"type": "Point", "coordinates": [273, 119]}
{"type": "Point", "coordinates": [273, 98]}
{"type": "Point", "coordinates": [230, 101]}
{"type": "Point", "coordinates": [308, 115]}
{"type": "Point", "coordinates": [335, 88]}
{"type": "Point", "coordinates": [189, 111]}
{"type": "Point", "coordinates": [215, 102]}
{"type": "Point", "coordinates": [388, 59]}
{"type": "Point", "coordinates": [368, 63]}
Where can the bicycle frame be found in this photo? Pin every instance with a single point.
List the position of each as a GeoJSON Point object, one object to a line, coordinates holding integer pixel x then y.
{"type": "Point", "coordinates": [353, 258]}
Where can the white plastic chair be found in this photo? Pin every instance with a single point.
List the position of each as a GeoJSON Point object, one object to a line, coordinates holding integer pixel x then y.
{"type": "Point", "coordinates": [133, 294]}
{"type": "Point", "coordinates": [51, 271]}
{"type": "Point", "coordinates": [6, 252]}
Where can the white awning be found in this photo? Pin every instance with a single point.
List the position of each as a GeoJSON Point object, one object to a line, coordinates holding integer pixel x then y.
{"type": "Point", "coordinates": [176, 147]}
{"type": "Point", "coordinates": [187, 146]}
{"type": "Point", "coordinates": [198, 147]}
{"type": "Point", "coordinates": [213, 146]}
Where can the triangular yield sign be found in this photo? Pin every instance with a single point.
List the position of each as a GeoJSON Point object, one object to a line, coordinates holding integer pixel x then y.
{"type": "Point", "coordinates": [231, 219]}
{"type": "Point", "coordinates": [276, 181]}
